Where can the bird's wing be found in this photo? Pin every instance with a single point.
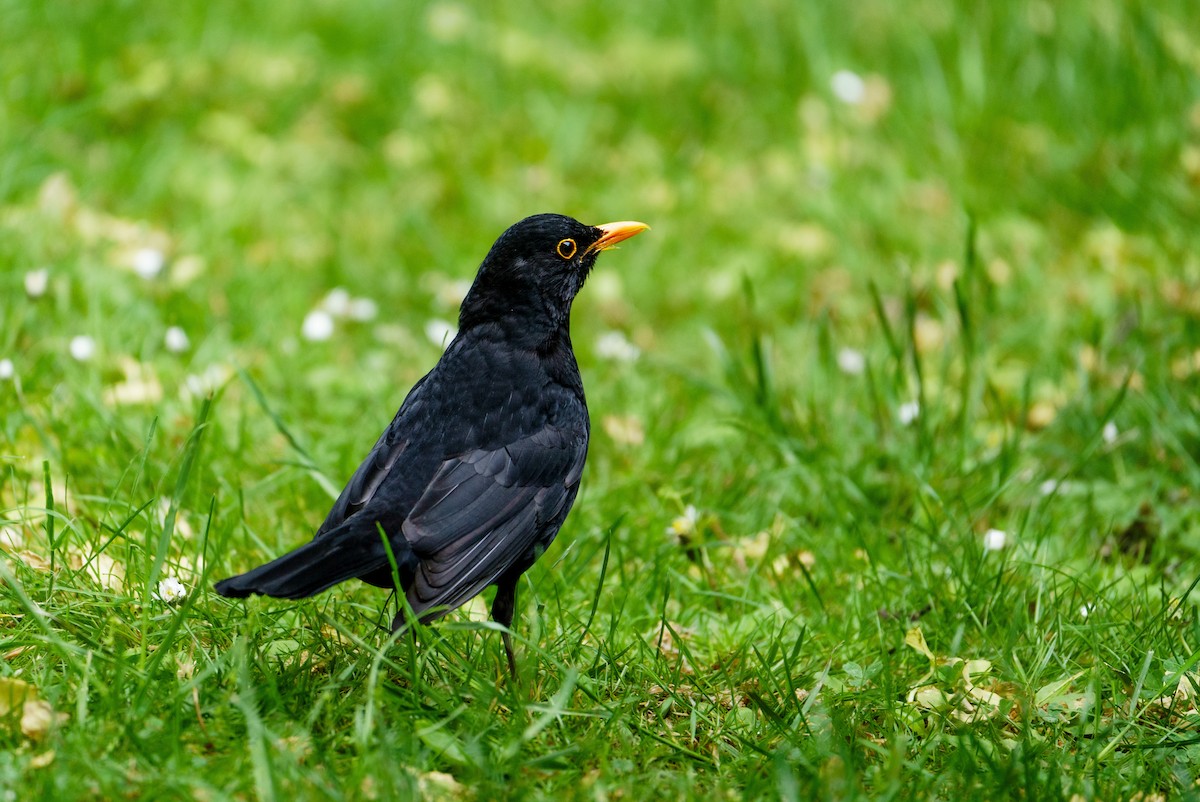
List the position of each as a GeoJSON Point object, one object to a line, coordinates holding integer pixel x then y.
{"type": "Point", "coordinates": [483, 511]}
{"type": "Point", "coordinates": [366, 480]}
{"type": "Point", "coordinates": [378, 464]}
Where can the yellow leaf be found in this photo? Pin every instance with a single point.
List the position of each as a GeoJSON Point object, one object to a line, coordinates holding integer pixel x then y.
{"type": "Point", "coordinates": [37, 719]}
{"type": "Point", "coordinates": [916, 639]}
{"type": "Point", "coordinates": [1189, 687]}
{"type": "Point", "coordinates": [627, 430]}
{"type": "Point", "coordinates": [976, 667]}
{"type": "Point", "coordinates": [1048, 692]}
{"type": "Point", "coordinates": [13, 694]}
{"type": "Point", "coordinates": [42, 760]}
{"type": "Point", "coordinates": [439, 785]}
{"type": "Point", "coordinates": [987, 697]}
{"type": "Point", "coordinates": [929, 696]}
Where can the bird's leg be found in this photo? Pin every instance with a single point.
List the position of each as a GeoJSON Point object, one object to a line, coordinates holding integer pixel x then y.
{"type": "Point", "coordinates": [503, 607]}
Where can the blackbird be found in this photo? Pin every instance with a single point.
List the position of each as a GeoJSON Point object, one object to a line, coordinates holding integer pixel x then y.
{"type": "Point", "coordinates": [476, 473]}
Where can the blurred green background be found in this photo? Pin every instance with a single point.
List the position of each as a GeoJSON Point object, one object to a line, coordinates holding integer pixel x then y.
{"type": "Point", "coordinates": [909, 263]}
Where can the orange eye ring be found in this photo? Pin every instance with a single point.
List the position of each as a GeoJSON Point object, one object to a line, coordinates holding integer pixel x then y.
{"type": "Point", "coordinates": [566, 248]}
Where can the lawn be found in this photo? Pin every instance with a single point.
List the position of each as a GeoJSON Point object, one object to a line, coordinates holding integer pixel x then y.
{"type": "Point", "coordinates": [894, 483]}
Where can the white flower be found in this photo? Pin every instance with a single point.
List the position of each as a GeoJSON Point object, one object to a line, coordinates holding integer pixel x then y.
{"type": "Point", "coordinates": [36, 282]}
{"type": "Point", "coordinates": [1110, 433]}
{"type": "Point", "coordinates": [362, 309]}
{"type": "Point", "coordinates": [684, 525]}
{"type": "Point", "coordinates": [6, 369]}
{"type": "Point", "coordinates": [171, 591]}
{"type": "Point", "coordinates": [994, 539]}
{"type": "Point", "coordinates": [148, 262]}
{"type": "Point", "coordinates": [851, 362]}
{"type": "Point", "coordinates": [1048, 487]}
{"type": "Point", "coordinates": [82, 348]}
{"type": "Point", "coordinates": [1086, 610]}
{"type": "Point", "coordinates": [440, 332]}
{"type": "Point", "coordinates": [616, 346]}
{"type": "Point", "coordinates": [908, 412]}
{"type": "Point", "coordinates": [176, 340]}
{"type": "Point", "coordinates": [317, 326]}
{"type": "Point", "coordinates": [848, 87]}
{"type": "Point", "coordinates": [208, 382]}
{"type": "Point", "coordinates": [337, 302]}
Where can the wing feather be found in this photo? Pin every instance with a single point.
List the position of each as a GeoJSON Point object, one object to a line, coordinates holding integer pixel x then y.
{"type": "Point", "coordinates": [378, 465]}
{"type": "Point", "coordinates": [483, 511]}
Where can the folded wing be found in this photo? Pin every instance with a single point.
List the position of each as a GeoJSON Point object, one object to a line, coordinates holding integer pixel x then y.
{"type": "Point", "coordinates": [485, 510]}
{"type": "Point", "coordinates": [378, 465]}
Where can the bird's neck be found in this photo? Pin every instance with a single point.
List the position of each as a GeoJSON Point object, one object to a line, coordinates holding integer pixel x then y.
{"type": "Point", "coordinates": [546, 336]}
{"type": "Point", "coordinates": [533, 323]}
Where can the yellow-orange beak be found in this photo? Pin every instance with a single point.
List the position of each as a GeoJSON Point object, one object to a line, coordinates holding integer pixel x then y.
{"type": "Point", "coordinates": [616, 232]}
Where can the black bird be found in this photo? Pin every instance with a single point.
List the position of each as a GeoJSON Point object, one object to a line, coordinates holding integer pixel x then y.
{"type": "Point", "coordinates": [476, 473]}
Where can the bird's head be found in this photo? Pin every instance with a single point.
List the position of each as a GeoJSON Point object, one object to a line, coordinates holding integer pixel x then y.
{"type": "Point", "coordinates": [537, 266]}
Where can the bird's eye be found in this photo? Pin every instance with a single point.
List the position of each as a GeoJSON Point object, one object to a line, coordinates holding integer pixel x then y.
{"type": "Point", "coordinates": [566, 248]}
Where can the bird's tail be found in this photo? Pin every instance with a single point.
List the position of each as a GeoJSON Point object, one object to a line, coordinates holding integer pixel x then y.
{"type": "Point", "coordinates": [310, 569]}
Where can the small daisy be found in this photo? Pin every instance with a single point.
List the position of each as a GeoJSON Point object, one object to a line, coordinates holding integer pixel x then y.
{"type": "Point", "coordinates": [171, 591]}
{"type": "Point", "coordinates": [317, 326]}
{"type": "Point", "coordinates": [176, 340]}
{"type": "Point", "coordinates": [684, 525]}
{"type": "Point", "coordinates": [36, 282]}
{"type": "Point", "coordinates": [208, 382]}
{"type": "Point", "coordinates": [908, 412]}
{"type": "Point", "coordinates": [362, 309]}
{"type": "Point", "coordinates": [994, 539]}
{"type": "Point", "coordinates": [1048, 487]}
{"type": "Point", "coordinates": [1110, 433]}
{"type": "Point", "coordinates": [337, 302]}
{"type": "Point", "coordinates": [615, 346]}
{"type": "Point", "coordinates": [82, 348]}
{"type": "Point", "coordinates": [6, 369]}
{"type": "Point", "coordinates": [148, 262]}
{"type": "Point", "coordinates": [851, 361]}
{"type": "Point", "coordinates": [848, 87]}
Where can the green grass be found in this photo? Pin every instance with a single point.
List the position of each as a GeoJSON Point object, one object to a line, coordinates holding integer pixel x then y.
{"type": "Point", "coordinates": [1005, 229]}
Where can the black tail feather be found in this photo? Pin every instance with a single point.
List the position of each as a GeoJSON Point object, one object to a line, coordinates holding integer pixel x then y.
{"type": "Point", "coordinates": [308, 570]}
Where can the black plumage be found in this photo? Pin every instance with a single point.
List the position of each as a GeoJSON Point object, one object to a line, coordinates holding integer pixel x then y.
{"type": "Point", "coordinates": [475, 475]}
